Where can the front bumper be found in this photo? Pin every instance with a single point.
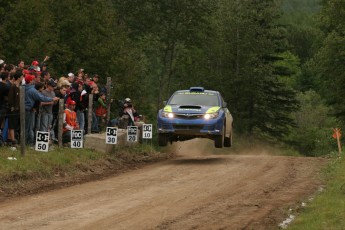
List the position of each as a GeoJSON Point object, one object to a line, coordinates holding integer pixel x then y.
{"type": "Point", "coordinates": [194, 127]}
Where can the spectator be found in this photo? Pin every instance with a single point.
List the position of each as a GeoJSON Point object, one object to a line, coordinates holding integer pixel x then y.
{"type": "Point", "coordinates": [39, 86]}
{"type": "Point", "coordinates": [32, 95]}
{"type": "Point", "coordinates": [35, 66]}
{"type": "Point", "coordinates": [62, 94]}
{"type": "Point", "coordinates": [128, 115]}
{"type": "Point", "coordinates": [43, 65]}
{"type": "Point", "coordinates": [70, 77]}
{"type": "Point", "coordinates": [95, 92]}
{"type": "Point", "coordinates": [3, 97]}
{"type": "Point", "coordinates": [101, 109]}
{"type": "Point", "coordinates": [37, 76]}
{"type": "Point", "coordinates": [13, 104]}
{"type": "Point", "coordinates": [70, 121]}
{"type": "Point", "coordinates": [101, 88]}
{"type": "Point", "coordinates": [80, 76]}
{"type": "Point", "coordinates": [2, 66]}
{"type": "Point", "coordinates": [75, 95]}
{"type": "Point", "coordinates": [85, 101]}
{"type": "Point", "coordinates": [63, 82]}
{"type": "Point", "coordinates": [46, 109]}
{"type": "Point", "coordinates": [21, 64]}
{"type": "Point", "coordinates": [46, 77]}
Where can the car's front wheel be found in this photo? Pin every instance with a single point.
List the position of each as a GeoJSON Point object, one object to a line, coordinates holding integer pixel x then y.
{"type": "Point", "coordinates": [163, 139]}
{"type": "Point", "coordinates": [228, 141]}
{"type": "Point", "coordinates": [219, 139]}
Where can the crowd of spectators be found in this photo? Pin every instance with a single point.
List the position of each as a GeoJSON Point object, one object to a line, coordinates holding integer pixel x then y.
{"type": "Point", "coordinates": [42, 93]}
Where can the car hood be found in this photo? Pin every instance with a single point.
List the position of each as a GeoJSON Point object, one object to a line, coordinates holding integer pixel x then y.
{"type": "Point", "coordinates": [193, 109]}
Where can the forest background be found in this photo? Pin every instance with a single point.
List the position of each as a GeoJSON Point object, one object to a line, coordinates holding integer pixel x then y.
{"type": "Point", "coordinates": [280, 64]}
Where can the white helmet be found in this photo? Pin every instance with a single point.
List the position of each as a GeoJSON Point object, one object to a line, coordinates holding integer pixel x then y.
{"type": "Point", "coordinates": [128, 100]}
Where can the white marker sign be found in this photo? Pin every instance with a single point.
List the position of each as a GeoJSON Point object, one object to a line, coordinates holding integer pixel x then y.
{"type": "Point", "coordinates": [42, 141]}
{"type": "Point", "coordinates": [76, 139]}
{"type": "Point", "coordinates": [111, 136]}
{"type": "Point", "coordinates": [132, 133]}
{"type": "Point", "coordinates": [147, 131]}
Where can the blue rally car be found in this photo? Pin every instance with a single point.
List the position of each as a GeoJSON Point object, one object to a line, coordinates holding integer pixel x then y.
{"type": "Point", "coordinates": [195, 113]}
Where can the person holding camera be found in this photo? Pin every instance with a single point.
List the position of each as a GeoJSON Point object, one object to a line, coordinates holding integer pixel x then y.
{"type": "Point", "coordinates": [128, 115]}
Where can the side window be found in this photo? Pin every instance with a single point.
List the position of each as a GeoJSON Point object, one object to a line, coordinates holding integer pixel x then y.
{"type": "Point", "coordinates": [223, 102]}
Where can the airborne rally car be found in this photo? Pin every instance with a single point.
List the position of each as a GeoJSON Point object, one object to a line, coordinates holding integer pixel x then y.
{"type": "Point", "coordinates": [195, 113]}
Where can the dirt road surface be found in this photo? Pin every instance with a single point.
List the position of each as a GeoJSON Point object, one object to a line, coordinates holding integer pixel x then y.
{"type": "Point", "coordinates": [196, 190]}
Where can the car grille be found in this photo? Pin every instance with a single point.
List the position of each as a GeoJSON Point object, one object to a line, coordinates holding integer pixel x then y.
{"type": "Point", "coordinates": [188, 127]}
{"type": "Point", "coordinates": [194, 127]}
{"type": "Point", "coordinates": [189, 116]}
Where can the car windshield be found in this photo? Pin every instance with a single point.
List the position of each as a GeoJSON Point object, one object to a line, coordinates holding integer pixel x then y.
{"type": "Point", "coordinates": [191, 98]}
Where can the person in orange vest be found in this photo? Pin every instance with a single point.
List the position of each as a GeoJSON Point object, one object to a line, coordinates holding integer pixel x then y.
{"type": "Point", "coordinates": [70, 121]}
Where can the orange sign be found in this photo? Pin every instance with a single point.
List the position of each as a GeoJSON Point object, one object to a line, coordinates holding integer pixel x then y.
{"type": "Point", "coordinates": [337, 133]}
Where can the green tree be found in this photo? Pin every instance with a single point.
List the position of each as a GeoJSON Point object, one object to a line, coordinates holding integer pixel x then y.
{"type": "Point", "coordinates": [329, 61]}
{"type": "Point", "coordinates": [312, 135]}
{"type": "Point", "coordinates": [260, 99]}
{"type": "Point", "coordinates": [168, 33]}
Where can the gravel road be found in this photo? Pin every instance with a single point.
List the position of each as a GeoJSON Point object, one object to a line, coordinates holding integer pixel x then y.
{"type": "Point", "coordinates": [194, 191]}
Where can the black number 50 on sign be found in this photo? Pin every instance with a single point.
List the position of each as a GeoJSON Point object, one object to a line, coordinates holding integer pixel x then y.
{"type": "Point", "coordinates": [42, 141]}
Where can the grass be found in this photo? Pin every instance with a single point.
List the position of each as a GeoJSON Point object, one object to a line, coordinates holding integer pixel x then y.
{"type": "Point", "coordinates": [327, 210]}
{"type": "Point", "coordinates": [45, 165]}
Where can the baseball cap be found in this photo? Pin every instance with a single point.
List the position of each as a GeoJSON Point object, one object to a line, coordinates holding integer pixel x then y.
{"type": "Point", "coordinates": [28, 78]}
{"type": "Point", "coordinates": [51, 82]}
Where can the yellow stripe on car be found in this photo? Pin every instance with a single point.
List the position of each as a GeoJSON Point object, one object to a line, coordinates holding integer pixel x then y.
{"type": "Point", "coordinates": [213, 109]}
{"type": "Point", "coordinates": [167, 109]}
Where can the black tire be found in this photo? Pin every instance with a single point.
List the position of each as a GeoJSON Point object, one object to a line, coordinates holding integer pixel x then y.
{"type": "Point", "coordinates": [163, 139]}
{"type": "Point", "coordinates": [219, 139]}
{"type": "Point", "coordinates": [228, 141]}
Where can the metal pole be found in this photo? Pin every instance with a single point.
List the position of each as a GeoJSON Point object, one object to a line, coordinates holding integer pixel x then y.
{"type": "Point", "coordinates": [60, 121]}
{"type": "Point", "coordinates": [22, 119]}
{"type": "Point", "coordinates": [108, 99]}
{"type": "Point", "coordinates": [89, 120]}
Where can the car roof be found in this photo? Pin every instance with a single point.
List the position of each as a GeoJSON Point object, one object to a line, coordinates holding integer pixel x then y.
{"type": "Point", "coordinates": [204, 91]}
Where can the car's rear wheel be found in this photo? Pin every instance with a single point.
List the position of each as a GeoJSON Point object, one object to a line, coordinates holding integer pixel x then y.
{"type": "Point", "coordinates": [163, 139]}
{"type": "Point", "coordinates": [228, 140]}
{"type": "Point", "coordinates": [219, 139]}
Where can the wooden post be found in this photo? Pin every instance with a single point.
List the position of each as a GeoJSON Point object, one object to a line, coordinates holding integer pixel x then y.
{"type": "Point", "coordinates": [338, 140]}
{"type": "Point", "coordinates": [108, 99]}
{"type": "Point", "coordinates": [22, 119]}
{"type": "Point", "coordinates": [89, 120]}
{"type": "Point", "coordinates": [60, 121]}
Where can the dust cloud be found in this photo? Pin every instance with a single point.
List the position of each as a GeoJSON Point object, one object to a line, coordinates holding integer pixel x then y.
{"type": "Point", "coordinates": [203, 147]}
{"type": "Point", "coordinates": [195, 147]}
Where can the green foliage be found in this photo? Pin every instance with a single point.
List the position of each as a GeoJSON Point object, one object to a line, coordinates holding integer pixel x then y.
{"type": "Point", "coordinates": [312, 135]}
{"type": "Point", "coordinates": [328, 64]}
{"type": "Point", "coordinates": [326, 211]}
{"type": "Point", "coordinates": [150, 48]}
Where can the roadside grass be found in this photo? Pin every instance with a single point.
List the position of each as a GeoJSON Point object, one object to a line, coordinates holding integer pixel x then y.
{"type": "Point", "coordinates": [66, 161]}
{"type": "Point", "coordinates": [327, 209]}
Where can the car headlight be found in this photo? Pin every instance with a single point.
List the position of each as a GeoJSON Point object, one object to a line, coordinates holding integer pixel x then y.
{"type": "Point", "coordinates": [168, 115]}
{"type": "Point", "coordinates": [208, 116]}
